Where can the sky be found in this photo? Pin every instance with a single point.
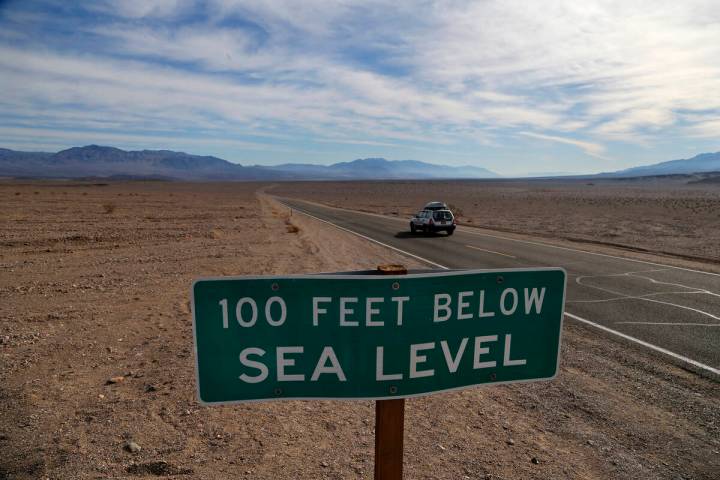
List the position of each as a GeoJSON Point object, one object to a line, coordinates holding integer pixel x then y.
{"type": "Point", "coordinates": [533, 87]}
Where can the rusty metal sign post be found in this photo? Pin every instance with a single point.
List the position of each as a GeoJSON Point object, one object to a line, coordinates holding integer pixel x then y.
{"type": "Point", "coordinates": [389, 420]}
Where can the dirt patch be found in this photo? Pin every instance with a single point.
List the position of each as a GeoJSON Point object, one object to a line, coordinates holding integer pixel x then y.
{"type": "Point", "coordinates": [159, 469]}
{"type": "Point", "coordinates": [113, 302]}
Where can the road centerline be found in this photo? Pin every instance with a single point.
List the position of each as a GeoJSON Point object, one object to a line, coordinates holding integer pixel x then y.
{"type": "Point", "coordinates": [490, 251]}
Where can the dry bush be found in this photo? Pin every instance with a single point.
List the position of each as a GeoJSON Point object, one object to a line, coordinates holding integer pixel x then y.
{"type": "Point", "coordinates": [290, 227]}
{"type": "Point", "coordinates": [108, 207]}
{"type": "Point", "coordinates": [215, 233]}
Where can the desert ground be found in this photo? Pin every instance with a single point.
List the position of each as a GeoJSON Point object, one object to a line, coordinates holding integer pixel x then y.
{"type": "Point", "coordinates": [662, 216]}
{"type": "Point", "coordinates": [96, 356]}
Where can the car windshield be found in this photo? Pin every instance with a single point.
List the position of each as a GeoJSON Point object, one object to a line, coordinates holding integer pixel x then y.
{"type": "Point", "coordinates": [442, 215]}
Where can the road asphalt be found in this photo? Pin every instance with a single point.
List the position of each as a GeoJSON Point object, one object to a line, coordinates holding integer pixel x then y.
{"type": "Point", "coordinates": [670, 310]}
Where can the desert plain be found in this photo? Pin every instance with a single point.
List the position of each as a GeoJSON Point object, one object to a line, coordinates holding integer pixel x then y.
{"type": "Point", "coordinates": [96, 357]}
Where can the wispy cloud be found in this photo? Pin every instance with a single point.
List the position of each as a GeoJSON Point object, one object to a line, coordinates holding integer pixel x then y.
{"type": "Point", "coordinates": [593, 149]}
{"type": "Point", "coordinates": [605, 77]}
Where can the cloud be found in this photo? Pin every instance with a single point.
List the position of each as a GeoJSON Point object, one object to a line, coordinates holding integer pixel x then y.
{"type": "Point", "coordinates": [465, 75]}
{"type": "Point", "coordinates": [137, 9]}
{"type": "Point", "coordinates": [708, 128]}
{"type": "Point", "coordinates": [629, 64]}
{"type": "Point", "coordinates": [594, 149]}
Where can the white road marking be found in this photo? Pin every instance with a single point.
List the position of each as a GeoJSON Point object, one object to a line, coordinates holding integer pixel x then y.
{"type": "Point", "coordinates": [541, 244]}
{"type": "Point", "coordinates": [490, 251]}
{"type": "Point", "coordinates": [642, 297]}
{"type": "Point", "coordinates": [701, 312]}
{"type": "Point", "coordinates": [630, 298]}
{"type": "Point", "coordinates": [443, 267]}
{"type": "Point", "coordinates": [652, 280]}
{"type": "Point", "coordinates": [671, 323]}
{"type": "Point", "coordinates": [646, 344]}
{"type": "Point", "coordinates": [574, 317]}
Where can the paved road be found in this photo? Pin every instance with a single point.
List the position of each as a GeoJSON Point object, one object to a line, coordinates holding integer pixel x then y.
{"type": "Point", "coordinates": [669, 308]}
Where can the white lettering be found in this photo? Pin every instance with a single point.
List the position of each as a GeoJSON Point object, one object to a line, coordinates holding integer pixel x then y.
{"type": "Point", "coordinates": [481, 311]}
{"type": "Point", "coordinates": [239, 315]}
{"type": "Point", "coordinates": [268, 312]}
{"type": "Point", "coordinates": [400, 301]}
{"type": "Point", "coordinates": [379, 374]}
{"type": "Point", "coordinates": [328, 354]}
{"type": "Point", "coordinates": [462, 305]}
{"type": "Point", "coordinates": [482, 351]}
{"type": "Point", "coordinates": [415, 359]}
{"type": "Point", "coordinates": [223, 306]}
{"type": "Point", "coordinates": [451, 362]}
{"type": "Point", "coordinates": [345, 311]}
{"type": "Point", "coordinates": [317, 310]}
{"type": "Point", "coordinates": [253, 364]}
{"type": "Point", "coordinates": [445, 306]}
{"type": "Point", "coordinates": [506, 356]}
{"type": "Point", "coordinates": [511, 310]}
{"type": "Point", "coordinates": [283, 362]}
{"type": "Point", "coordinates": [534, 298]}
{"type": "Point", "coordinates": [370, 311]}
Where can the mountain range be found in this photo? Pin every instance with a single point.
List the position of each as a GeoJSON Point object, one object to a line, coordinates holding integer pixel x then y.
{"type": "Point", "coordinates": [100, 161]}
{"type": "Point", "coordinates": [110, 162]}
{"type": "Point", "coordinates": [704, 162]}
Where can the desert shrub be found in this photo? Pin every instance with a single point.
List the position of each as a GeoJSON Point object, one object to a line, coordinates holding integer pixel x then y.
{"type": "Point", "coordinates": [215, 233]}
{"type": "Point", "coordinates": [291, 228]}
{"type": "Point", "coordinates": [108, 207]}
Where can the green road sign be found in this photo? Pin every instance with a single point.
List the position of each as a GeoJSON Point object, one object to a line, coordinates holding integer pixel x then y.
{"type": "Point", "coordinates": [374, 337]}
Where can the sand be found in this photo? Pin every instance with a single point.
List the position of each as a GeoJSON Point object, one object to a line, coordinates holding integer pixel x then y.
{"type": "Point", "coordinates": [96, 359]}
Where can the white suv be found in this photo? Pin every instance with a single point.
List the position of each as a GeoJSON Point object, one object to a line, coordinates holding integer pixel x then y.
{"type": "Point", "coordinates": [433, 221]}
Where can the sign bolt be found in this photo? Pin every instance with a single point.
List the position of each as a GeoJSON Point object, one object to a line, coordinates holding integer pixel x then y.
{"type": "Point", "coordinates": [278, 391]}
{"type": "Point", "coordinates": [493, 376]}
{"type": "Point", "coordinates": [275, 287]}
{"type": "Point", "coordinates": [396, 286]}
{"type": "Point", "coordinates": [393, 389]}
{"type": "Point", "coordinates": [500, 279]}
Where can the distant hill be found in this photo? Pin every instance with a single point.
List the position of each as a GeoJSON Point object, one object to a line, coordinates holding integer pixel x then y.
{"type": "Point", "coordinates": [100, 161]}
{"type": "Point", "coordinates": [705, 162]}
{"type": "Point", "coordinates": [380, 168]}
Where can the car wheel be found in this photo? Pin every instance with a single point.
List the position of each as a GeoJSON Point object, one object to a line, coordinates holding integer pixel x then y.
{"type": "Point", "coordinates": [450, 231]}
{"type": "Point", "coordinates": [412, 227]}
